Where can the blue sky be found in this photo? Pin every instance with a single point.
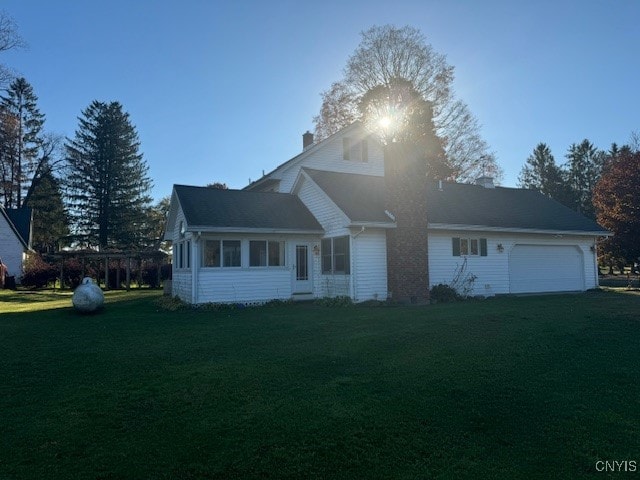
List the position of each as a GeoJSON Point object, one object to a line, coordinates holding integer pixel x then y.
{"type": "Point", "coordinates": [222, 90]}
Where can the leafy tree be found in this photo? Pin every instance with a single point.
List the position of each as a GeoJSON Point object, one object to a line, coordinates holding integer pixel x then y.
{"type": "Point", "coordinates": [9, 40]}
{"type": "Point", "coordinates": [397, 113]}
{"type": "Point", "coordinates": [21, 130]}
{"type": "Point", "coordinates": [153, 226]}
{"type": "Point", "coordinates": [388, 55]}
{"type": "Point", "coordinates": [107, 181]}
{"type": "Point", "coordinates": [50, 220]}
{"type": "Point", "coordinates": [584, 166]}
{"type": "Point", "coordinates": [616, 198]}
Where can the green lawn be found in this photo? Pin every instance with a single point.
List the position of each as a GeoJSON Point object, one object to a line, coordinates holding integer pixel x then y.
{"type": "Point", "coordinates": [531, 387]}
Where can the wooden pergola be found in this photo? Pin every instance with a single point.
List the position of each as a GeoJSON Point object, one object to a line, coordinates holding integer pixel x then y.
{"type": "Point", "coordinates": [157, 256]}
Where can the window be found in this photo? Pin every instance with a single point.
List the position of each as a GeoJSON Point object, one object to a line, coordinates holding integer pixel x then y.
{"type": "Point", "coordinates": [335, 255]}
{"type": "Point", "coordinates": [263, 253]}
{"type": "Point", "coordinates": [222, 253]}
{"type": "Point", "coordinates": [182, 254]}
{"type": "Point", "coordinates": [355, 151]}
{"type": "Point", "coordinates": [211, 253]}
{"type": "Point", "coordinates": [231, 254]}
{"type": "Point", "coordinates": [469, 246]}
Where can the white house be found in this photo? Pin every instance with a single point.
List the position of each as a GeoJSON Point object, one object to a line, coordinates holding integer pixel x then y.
{"type": "Point", "coordinates": [346, 217]}
{"type": "Point", "coordinates": [15, 238]}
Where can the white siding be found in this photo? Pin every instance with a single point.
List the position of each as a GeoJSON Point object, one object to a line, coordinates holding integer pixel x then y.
{"type": "Point", "coordinates": [244, 285]}
{"type": "Point", "coordinates": [492, 271]}
{"type": "Point", "coordinates": [247, 284]}
{"type": "Point", "coordinates": [181, 285]}
{"type": "Point", "coordinates": [328, 157]}
{"type": "Point", "coordinates": [182, 281]}
{"type": "Point", "coordinates": [369, 257]}
{"type": "Point", "coordinates": [328, 215]}
{"type": "Point", "coordinates": [334, 223]}
{"type": "Point", "coordinates": [11, 249]}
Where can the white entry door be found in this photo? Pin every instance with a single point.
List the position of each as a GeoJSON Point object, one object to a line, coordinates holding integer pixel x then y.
{"type": "Point", "coordinates": [302, 269]}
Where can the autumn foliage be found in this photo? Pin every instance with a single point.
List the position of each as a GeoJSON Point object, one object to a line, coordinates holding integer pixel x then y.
{"type": "Point", "coordinates": [616, 199]}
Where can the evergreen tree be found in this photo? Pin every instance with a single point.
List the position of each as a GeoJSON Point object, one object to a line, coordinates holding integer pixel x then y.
{"type": "Point", "coordinates": [584, 166]}
{"type": "Point", "coordinates": [20, 132]}
{"type": "Point", "coordinates": [541, 173]}
{"type": "Point", "coordinates": [50, 221]}
{"type": "Point", "coordinates": [107, 182]}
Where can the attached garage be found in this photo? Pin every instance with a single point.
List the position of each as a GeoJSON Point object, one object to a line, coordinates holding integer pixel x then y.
{"type": "Point", "coordinates": [546, 268]}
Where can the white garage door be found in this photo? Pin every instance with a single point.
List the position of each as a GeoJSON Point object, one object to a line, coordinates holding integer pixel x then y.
{"type": "Point", "coordinates": [545, 268]}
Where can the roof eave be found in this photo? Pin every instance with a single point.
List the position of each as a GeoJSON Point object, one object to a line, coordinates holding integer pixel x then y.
{"type": "Point", "coordinates": [486, 228]}
{"type": "Point", "coordinates": [372, 224]}
{"type": "Point", "coordinates": [210, 229]}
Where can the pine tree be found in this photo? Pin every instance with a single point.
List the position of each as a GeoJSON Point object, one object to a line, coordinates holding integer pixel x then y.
{"type": "Point", "coordinates": [541, 173]}
{"type": "Point", "coordinates": [20, 131]}
{"type": "Point", "coordinates": [50, 221]}
{"type": "Point", "coordinates": [584, 166]}
{"type": "Point", "coordinates": [107, 182]}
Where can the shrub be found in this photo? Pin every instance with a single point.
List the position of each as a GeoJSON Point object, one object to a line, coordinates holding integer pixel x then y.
{"type": "Point", "coordinates": [74, 272]}
{"type": "Point", "coordinates": [339, 301]}
{"type": "Point", "coordinates": [443, 293]}
{"type": "Point", "coordinates": [38, 273]}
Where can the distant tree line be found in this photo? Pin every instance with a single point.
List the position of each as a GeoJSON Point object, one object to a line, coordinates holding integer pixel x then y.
{"type": "Point", "coordinates": [602, 185]}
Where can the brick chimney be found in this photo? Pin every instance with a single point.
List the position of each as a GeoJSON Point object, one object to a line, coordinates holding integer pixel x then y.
{"type": "Point", "coordinates": [307, 140]}
{"type": "Point", "coordinates": [406, 199]}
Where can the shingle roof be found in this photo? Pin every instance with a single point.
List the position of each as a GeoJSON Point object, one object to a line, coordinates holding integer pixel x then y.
{"type": "Point", "coordinates": [210, 207]}
{"type": "Point", "coordinates": [20, 221]}
{"type": "Point", "coordinates": [464, 204]}
{"type": "Point", "coordinates": [360, 197]}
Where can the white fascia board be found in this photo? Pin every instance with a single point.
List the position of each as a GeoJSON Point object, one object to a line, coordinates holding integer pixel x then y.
{"type": "Point", "coordinates": [372, 225]}
{"type": "Point", "coordinates": [170, 223]}
{"type": "Point", "coordinates": [485, 228]}
{"type": "Point", "coordinates": [244, 230]}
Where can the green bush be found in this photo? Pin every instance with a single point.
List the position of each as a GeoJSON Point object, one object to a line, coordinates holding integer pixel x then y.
{"type": "Point", "coordinates": [443, 293]}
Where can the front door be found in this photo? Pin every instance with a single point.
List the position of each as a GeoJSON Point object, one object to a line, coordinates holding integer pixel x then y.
{"type": "Point", "coordinates": [302, 269]}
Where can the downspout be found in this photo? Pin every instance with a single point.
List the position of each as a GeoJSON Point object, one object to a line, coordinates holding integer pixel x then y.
{"type": "Point", "coordinates": [195, 239]}
{"type": "Point", "coordinates": [595, 261]}
{"type": "Point", "coordinates": [354, 275]}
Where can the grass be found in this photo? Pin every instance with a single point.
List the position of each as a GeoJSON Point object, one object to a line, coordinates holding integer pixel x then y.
{"type": "Point", "coordinates": [530, 387]}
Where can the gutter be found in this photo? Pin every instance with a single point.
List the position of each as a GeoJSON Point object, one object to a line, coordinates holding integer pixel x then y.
{"type": "Point", "coordinates": [486, 228]}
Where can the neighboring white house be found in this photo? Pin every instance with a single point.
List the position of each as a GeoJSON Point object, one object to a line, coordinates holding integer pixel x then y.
{"type": "Point", "coordinates": [319, 224]}
{"type": "Point", "coordinates": [15, 239]}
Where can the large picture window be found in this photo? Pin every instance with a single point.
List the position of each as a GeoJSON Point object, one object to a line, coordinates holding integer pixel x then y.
{"type": "Point", "coordinates": [335, 255]}
{"type": "Point", "coordinates": [266, 253]}
{"type": "Point", "coordinates": [222, 253]}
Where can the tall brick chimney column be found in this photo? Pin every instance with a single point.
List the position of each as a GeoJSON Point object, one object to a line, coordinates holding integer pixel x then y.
{"type": "Point", "coordinates": [406, 199]}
